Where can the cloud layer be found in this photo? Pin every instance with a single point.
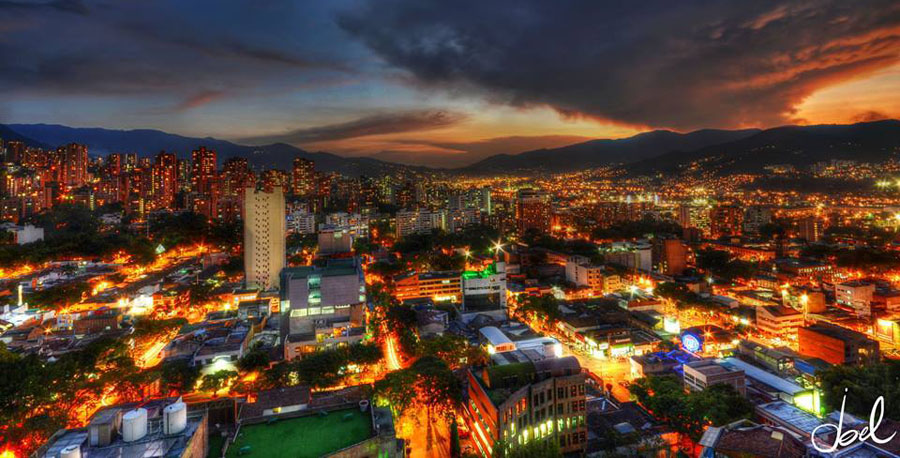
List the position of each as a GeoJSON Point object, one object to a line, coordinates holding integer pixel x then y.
{"type": "Point", "coordinates": [378, 124]}
{"type": "Point", "coordinates": [684, 65]}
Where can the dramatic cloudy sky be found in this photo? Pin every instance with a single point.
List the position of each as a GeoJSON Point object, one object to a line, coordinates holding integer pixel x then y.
{"type": "Point", "coordinates": [445, 82]}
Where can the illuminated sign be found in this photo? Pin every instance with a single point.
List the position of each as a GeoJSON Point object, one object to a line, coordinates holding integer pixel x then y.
{"type": "Point", "coordinates": [691, 342]}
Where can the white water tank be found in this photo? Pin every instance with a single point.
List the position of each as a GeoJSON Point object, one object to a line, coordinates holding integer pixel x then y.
{"type": "Point", "coordinates": [70, 451]}
{"type": "Point", "coordinates": [134, 424]}
{"type": "Point", "coordinates": [175, 418]}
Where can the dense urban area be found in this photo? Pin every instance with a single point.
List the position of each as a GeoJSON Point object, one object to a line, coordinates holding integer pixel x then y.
{"type": "Point", "coordinates": [186, 304]}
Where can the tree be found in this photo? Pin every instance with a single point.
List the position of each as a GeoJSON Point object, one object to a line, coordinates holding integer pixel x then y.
{"type": "Point", "coordinates": [217, 380]}
{"type": "Point", "coordinates": [453, 349]}
{"type": "Point", "coordinates": [690, 413]}
{"type": "Point", "coordinates": [178, 376]}
{"type": "Point", "coordinates": [543, 307]}
{"type": "Point", "coordinates": [455, 450]}
{"type": "Point", "coordinates": [548, 448]}
{"type": "Point", "coordinates": [255, 359]}
{"type": "Point", "coordinates": [862, 385]}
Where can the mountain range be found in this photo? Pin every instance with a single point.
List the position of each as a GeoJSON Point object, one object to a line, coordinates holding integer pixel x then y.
{"type": "Point", "coordinates": [649, 153]}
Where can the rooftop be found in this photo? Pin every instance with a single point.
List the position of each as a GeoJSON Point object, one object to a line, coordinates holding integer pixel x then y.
{"type": "Point", "coordinates": [304, 437]}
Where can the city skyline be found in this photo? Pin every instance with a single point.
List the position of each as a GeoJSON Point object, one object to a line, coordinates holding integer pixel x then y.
{"type": "Point", "coordinates": [433, 229]}
{"type": "Point", "coordinates": [442, 85]}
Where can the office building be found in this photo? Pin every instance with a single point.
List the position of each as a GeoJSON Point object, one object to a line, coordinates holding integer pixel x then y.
{"type": "Point", "coordinates": [301, 222]}
{"type": "Point", "coordinates": [532, 211]}
{"type": "Point", "coordinates": [527, 400]}
{"type": "Point", "coordinates": [264, 237]}
{"type": "Point", "coordinates": [836, 345]}
{"type": "Point", "coordinates": [437, 286]}
{"type": "Point", "coordinates": [778, 320]}
{"type": "Point", "coordinates": [322, 307]}
{"type": "Point", "coordinates": [856, 294]}
{"type": "Point", "coordinates": [699, 375]}
{"type": "Point", "coordinates": [485, 288]}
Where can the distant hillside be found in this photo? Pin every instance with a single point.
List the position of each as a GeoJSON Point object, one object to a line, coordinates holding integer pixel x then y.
{"type": "Point", "coordinates": [7, 134]}
{"type": "Point", "coordinates": [147, 142]}
{"type": "Point", "coordinates": [800, 146]}
{"type": "Point", "coordinates": [596, 153]}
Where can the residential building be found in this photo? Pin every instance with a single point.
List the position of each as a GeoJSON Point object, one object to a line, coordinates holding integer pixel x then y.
{"type": "Point", "coordinates": [301, 222]}
{"type": "Point", "coordinates": [264, 237]}
{"type": "Point", "coordinates": [420, 221]}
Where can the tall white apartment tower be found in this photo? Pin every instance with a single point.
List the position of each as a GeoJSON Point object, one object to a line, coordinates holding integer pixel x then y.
{"type": "Point", "coordinates": [264, 237]}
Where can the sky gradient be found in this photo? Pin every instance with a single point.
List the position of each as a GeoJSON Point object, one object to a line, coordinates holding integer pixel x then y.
{"type": "Point", "coordinates": [445, 83]}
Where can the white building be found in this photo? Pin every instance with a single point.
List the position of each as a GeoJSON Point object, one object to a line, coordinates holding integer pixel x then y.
{"type": "Point", "coordinates": [357, 224]}
{"type": "Point", "coordinates": [420, 221]}
{"type": "Point", "coordinates": [264, 237]}
{"type": "Point", "coordinates": [489, 283]}
{"type": "Point", "coordinates": [460, 218]}
{"type": "Point", "coordinates": [856, 294]}
{"type": "Point", "coordinates": [631, 255]}
{"type": "Point", "coordinates": [335, 239]}
{"type": "Point", "coordinates": [26, 234]}
{"type": "Point", "coordinates": [301, 222]}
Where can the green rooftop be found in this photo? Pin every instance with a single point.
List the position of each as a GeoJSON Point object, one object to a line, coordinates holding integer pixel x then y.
{"type": "Point", "coordinates": [306, 437]}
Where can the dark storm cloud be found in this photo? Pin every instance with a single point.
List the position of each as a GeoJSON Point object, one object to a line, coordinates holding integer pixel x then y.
{"type": "Point", "coordinates": [166, 48]}
{"type": "Point", "coordinates": [379, 124]}
{"type": "Point", "coordinates": [683, 64]}
{"type": "Point", "coordinates": [70, 6]}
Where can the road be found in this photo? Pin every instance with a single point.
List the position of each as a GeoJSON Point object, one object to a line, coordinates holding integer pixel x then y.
{"type": "Point", "coordinates": [613, 371]}
{"type": "Point", "coordinates": [393, 361]}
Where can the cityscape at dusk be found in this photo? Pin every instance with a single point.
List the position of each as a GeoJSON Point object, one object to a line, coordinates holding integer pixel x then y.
{"type": "Point", "coordinates": [498, 229]}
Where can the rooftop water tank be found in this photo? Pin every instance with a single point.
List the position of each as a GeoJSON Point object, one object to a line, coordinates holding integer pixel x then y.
{"type": "Point", "coordinates": [70, 451]}
{"type": "Point", "coordinates": [174, 418]}
{"type": "Point", "coordinates": [134, 425]}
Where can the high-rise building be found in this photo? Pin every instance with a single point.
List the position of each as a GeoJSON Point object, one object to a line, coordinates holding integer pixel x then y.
{"type": "Point", "coordinates": [15, 151]}
{"type": "Point", "coordinates": [756, 217]}
{"type": "Point", "coordinates": [203, 170]}
{"type": "Point", "coordinates": [420, 222]}
{"type": "Point", "coordinates": [164, 180]}
{"type": "Point", "coordinates": [674, 257]}
{"type": "Point", "coordinates": [810, 229]}
{"type": "Point", "coordinates": [694, 216]}
{"type": "Point", "coordinates": [303, 177]}
{"type": "Point", "coordinates": [73, 161]}
{"type": "Point", "coordinates": [264, 237]}
{"type": "Point", "coordinates": [532, 210]}
{"type": "Point", "coordinates": [725, 220]}
{"type": "Point", "coordinates": [204, 183]}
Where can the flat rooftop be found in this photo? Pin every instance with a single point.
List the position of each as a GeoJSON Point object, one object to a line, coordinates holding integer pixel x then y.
{"type": "Point", "coordinates": [304, 437]}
